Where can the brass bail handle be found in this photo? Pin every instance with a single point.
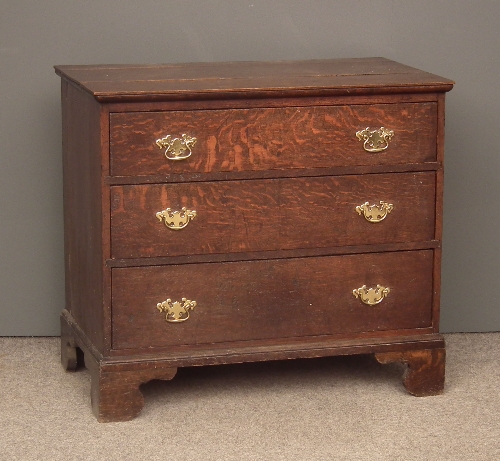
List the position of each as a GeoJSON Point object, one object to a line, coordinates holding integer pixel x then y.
{"type": "Point", "coordinates": [176, 148]}
{"type": "Point", "coordinates": [176, 220]}
{"type": "Point", "coordinates": [375, 213]}
{"type": "Point", "coordinates": [177, 311]}
{"type": "Point", "coordinates": [375, 140]}
{"type": "Point", "coordinates": [371, 296]}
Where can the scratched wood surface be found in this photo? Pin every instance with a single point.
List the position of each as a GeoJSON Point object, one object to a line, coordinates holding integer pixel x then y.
{"type": "Point", "coordinates": [274, 214]}
{"type": "Point", "coordinates": [271, 139]}
{"type": "Point", "coordinates": [254, 300]}
{"type": "Point", "coordinates": [223, 80]}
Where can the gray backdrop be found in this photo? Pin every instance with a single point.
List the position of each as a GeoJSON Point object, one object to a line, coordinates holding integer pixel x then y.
{"type": "Point", "coordinates": [458, 39]}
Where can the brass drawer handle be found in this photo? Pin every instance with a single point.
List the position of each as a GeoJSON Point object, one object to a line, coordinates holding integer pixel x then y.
{"type": "Point", "coordinates": [375, 213]}
{"type": "Point", "coordinates": [176, 148]}
{"type": "Point", "coordinates": [371, 296]}
{"type": "Point", "coordinates": [375, 140]}
{"type": "Point", "coordinates": [176, 220]}
{"type": "Point", "coordinates": [176, 311]}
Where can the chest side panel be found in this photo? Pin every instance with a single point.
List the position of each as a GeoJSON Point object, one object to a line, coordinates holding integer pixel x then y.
{"type": "Point", "coordinates": [83, 206]}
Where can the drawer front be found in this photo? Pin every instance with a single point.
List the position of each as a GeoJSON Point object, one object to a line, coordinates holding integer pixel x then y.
{"type": "Point", "coordinates": [271, 214]}
{"type": "Point", "coordinates": [271, 299]}
{"type": "Point", "coordinates": [269, 139]}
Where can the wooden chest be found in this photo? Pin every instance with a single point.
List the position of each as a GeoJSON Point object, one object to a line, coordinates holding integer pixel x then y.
{"type": "Point", "coordinates": [232, 212]}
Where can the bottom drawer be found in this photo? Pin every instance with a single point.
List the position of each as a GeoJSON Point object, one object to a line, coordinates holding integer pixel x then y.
{"type": "Point", "coordinates": [270, 299]}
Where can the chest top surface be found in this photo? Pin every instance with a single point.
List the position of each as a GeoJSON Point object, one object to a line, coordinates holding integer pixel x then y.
{"type": "Point", "coordinates": [109, 83]}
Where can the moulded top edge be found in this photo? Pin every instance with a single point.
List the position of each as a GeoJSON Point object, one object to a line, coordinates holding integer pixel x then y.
{"type": "Point", "coordinates": [257, 79]}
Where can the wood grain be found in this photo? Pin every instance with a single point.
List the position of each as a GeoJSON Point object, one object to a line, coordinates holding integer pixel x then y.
{"type": "Point", "coordinates": [115, 382]}
{"type": "Point", "coordinates": [242, 70]}
{"type": "Point", "coordinates": [276, 249]}
{"type": "Point", "coordinates": [69, 355]}
{"type": "Point", "coordinates": [264, 215]}
{"type": "Point", "coordinates": [271, 299]}
{"type": "Point", "coordinates": [115, 393]}
{"type": "Point", "coordinates": [114, 83]}
{"type": "Point", "coordinates": [271, 139]}
{"type": "Point", "coordinates": [425, 372]}
{"type": "Point", "coordinates": [82, 193]}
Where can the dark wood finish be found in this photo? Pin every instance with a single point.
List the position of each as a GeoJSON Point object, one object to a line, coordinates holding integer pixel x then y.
{"type": "Point", "coordinates": [252, 79]}
{"type": "Point", "coordinates": [266, 215]}
{"type": "Point", "coordinates": [271, 174]}
{"type": "Point", "coordinates": [276, 254]}
{"type": "Point", "coordinates": [115, 393]}
{"type": "Point", "coordinates": [439, 210]}
{"type": "Point", "coordinates": [305, 100]}
{"type": "Point", "coordinates": [270, 139]}
{"type": "Point", "coordinates": [424, 374]}
{"type": "Point", "coordinates": [69, 354]}
{"type": "Point", "coordinates": [253, 300]}
{"type": "Point", "coordinates": [83, 217]}
{"type": "Point", "coordinates": [277, 247]}
{"type": "Point", "coordinates": [261, 350]}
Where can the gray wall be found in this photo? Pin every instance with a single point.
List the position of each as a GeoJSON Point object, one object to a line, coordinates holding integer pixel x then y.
{"type": "Point", "coordinates": [458, 39]}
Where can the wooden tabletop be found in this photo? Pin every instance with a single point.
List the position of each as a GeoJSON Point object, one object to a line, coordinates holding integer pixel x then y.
{"type": "Point", "coordinates": [251, 79]}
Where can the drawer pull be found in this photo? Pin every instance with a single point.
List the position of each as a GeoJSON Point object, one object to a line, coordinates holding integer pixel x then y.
{"type": "Point", "coordinates": [375, 140]}
{"type": "Point", "coordinates": [176, 148]}
{"type": "Point", "coordinates": [176, 220]}
{"type": "Point", "coordinates": [375, 213]}
{"type": "Point", "coordinates": [371, 296]}
{"type": "Point", "coordinates": [176, 311]}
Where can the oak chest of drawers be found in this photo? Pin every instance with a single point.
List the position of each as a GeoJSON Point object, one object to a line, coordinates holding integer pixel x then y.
{"type": "Point", "coordinates": [231, 212]}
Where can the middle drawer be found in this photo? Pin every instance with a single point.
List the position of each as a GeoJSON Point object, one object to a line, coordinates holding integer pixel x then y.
{"type": "Point", "coordinates": [271, 214]}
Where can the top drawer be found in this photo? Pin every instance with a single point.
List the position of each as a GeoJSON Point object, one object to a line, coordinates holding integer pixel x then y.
{"type": "Point", "coordinates": [237, 140]}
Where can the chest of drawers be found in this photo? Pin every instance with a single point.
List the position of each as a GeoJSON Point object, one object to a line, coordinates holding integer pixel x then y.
{"type": "Point", "coordinates": [233, 212]}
